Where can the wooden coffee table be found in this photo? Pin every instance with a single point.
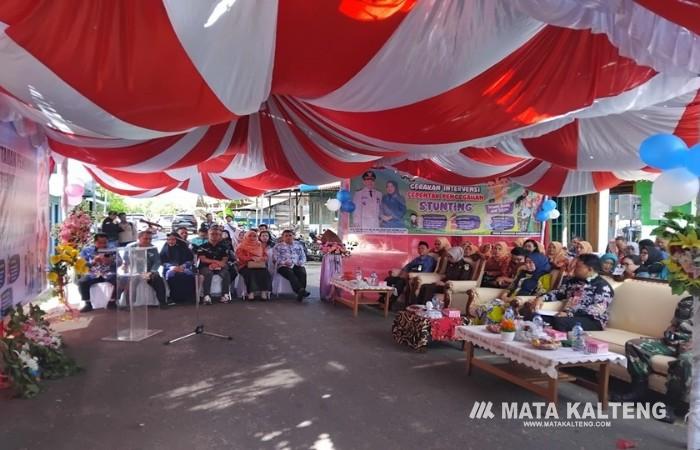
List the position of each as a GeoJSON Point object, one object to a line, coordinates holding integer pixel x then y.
{"type": "Point", "coordinates": [541, 373]}
{"type": "Point", "coordinates": [357, 298]}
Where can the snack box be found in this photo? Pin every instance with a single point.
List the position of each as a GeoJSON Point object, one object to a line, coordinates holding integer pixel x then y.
{"type": "Point", "coordinates": [450, 312]}
{"type": "Point", "coordinates": [555, 334]}
{"type": "Point", "coordinates": [596, 346]}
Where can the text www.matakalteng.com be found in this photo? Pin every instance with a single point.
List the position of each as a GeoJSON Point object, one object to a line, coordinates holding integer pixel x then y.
{"type": "Point", "coordinates": [567, 423]}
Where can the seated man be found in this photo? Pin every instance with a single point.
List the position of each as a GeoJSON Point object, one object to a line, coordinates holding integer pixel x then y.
{"type": "Point", "coordinates": [677, 342]}
{"type": "Point", "coordinates": [102, 266]}
{"type": "Point", "coordinates": [587, 295]}
{"type": "Point", "coordinates": [289, 258]}
{"type": "Point", "coordinates": [422, 263]}
{"type": "Point", "coordinates": [201, 238]}
{"type": "Point", "coordinates": [151, 275]}
{"type": "Point", "coordinates": [177, 258]}
{"type": "Point", "coordinates": [213, 260]}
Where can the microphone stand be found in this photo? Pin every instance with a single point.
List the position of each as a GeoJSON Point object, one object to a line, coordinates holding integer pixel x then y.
{"type": "Point", "coordinates": [199, 328]}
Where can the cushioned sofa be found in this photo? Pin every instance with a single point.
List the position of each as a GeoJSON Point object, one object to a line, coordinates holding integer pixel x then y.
{"type": "Point", "coordinates": [639, 309]}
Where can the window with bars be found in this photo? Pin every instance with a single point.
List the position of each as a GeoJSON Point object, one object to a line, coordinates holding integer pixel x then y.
{"type": "Point", "coordinates": [575, 210]}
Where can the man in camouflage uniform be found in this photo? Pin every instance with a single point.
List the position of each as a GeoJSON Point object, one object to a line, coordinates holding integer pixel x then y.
{"type": "Point", "coordinates": [677, 342]}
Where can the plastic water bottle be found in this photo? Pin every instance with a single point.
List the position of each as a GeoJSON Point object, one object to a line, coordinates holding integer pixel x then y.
{"type": "Point", "coordinates": [578, 343]}
{"type": "Point", "coordinates": [509, 314]}
{"type": "Point", "coordinates": [538, 323]}
{"type": "Point", "coordinates": [373, 279]}
{"type": "Point", "coordinates": [358, 275]}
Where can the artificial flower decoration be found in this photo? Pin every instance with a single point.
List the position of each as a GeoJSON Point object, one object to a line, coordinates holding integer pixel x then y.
{"type": "Point", "coordinates": [681, 230]}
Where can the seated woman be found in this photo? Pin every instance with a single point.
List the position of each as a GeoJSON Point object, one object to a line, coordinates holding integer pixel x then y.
{"type": "Point", "coordinates": [266, 239]}
{"type": "Point", "coordinates": [608, 262]}
{"type": "Point", "coordinates": [496, 265]}
{"type": "Point", "coordinates": [528, 280]}
{"type": "Point", "coordinates": [177, 258]}
{"type": "Point", "coordinates": [582, 248]}
{"type": "Point", "coordinates": [651, 263]}
{"type": "Point", "coordinates": [486, 251]}
{"type": "Point", "coordinates": [457, 270]}
{"type": "Point", "coordinates": [517, 261]}
{"type": "Point", "coordinates": [630, 266]}
{"type": "Point", "coordinates": [252, 265]}
{"type": "Point", "coordinates": [471, 255]}
{"type": "Point", "coordinates": [439, 252]}
{"type": "Point", "coordinates": [532, 246]}
{"type": "Point", "coordinates": [558, 256]}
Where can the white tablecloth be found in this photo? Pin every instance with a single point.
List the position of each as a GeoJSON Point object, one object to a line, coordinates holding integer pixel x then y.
{"type": "Point", "coordinates": [546, 361]}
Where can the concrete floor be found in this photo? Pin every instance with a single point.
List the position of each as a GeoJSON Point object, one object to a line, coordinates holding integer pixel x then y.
{"type": "Point", "coordinates": [297, 376]}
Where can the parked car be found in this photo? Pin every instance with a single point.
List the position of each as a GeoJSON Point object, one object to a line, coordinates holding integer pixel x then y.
{"type": "Point", "coordinates": [166, 221]}
{"type": "Point", "coordinates": [136, 220]}
{"type": "Point", "coordinates": [185, 220]}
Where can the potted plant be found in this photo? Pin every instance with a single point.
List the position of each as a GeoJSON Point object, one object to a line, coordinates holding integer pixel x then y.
{"type": "Point", "coordinates": [507, 330]}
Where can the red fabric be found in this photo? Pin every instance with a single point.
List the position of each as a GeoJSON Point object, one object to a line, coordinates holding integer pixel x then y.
{"type": "Point", "coordinates": [313, 37]}
{"type": "Point", "coordinates": [115, 157]}
{"type": "Point", "coordinates": [444, 329]}
{"type": "Point", "coordinates": [117, 64]}
{"type": "Point", "coordinates": [688, 128]}
{"type": "Point", "coordinates": [551, 182]}
{"type": "Point", "coordinates": [511, 94]}
{"type": "Point", "coordinates": [559, 147]}
{"type": "Point", "coordinates": [605, 180]}
{"type": "Point", "coordinates": [685, 13]}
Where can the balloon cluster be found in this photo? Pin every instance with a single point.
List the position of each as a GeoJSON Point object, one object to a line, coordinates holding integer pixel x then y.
{"type": "Point", "coordinates": [73, 191]}
{"type": "Point", "coordinates": [342, 201]}
{"type": "Point", "coordinates": [678, 183]}
{"type": "Point", "coordinates": [548, 211]}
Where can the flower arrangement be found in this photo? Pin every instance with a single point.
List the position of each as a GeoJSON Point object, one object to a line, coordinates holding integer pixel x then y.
{"type": "Point", "coordinates": [338, 248]}
{"type": "Point", "coordinates": [507, 326]}
{"type": "Point", "coordinates": [75, 229]}
{"type": "Point", "coordinates": [681, 230]}
{"type": "Point", "coordinates": [65, 257]}
{"type": "Point", "coordinates": [32, 351]}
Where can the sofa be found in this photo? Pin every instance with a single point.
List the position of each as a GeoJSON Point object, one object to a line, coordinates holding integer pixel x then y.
{"type": "Point", "coordinates": [640, 308]}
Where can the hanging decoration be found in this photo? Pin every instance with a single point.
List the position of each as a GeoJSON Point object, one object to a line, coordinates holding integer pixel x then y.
{"type": "Point", "coordinates": [678, 183]}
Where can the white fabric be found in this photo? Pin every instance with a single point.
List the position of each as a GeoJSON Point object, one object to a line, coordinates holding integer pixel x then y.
{"type": "Point", "coordinates": [232, 45]}
{"type": "Point", "coordinates": [577, 183]}
{"type": "Point", "coordinates": [636, 31]}
{"type": "Point", "coordinates": [545, 361]}
{"type": "Point", "coordinates": [101, 294]}
{"type": "Point", "coordinates": [441, 44]}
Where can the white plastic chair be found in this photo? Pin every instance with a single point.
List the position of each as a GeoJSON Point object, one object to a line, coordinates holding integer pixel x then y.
{"type": "Point", "coordinates": [280, 285]}
{"type": "Point", "coordinates": [101, 294]}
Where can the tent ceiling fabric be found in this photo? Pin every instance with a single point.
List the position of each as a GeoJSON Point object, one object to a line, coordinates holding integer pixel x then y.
{"type": "Point", "coordinates": [231, 98]}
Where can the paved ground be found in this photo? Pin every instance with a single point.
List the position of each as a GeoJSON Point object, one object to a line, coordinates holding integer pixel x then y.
{"type": "Point", "coordinates": [295, 376]}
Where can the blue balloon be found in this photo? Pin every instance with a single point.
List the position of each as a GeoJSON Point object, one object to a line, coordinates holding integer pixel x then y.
{"type": "Point", "coordinates": [663, 151]}
{"type": "Point", "coordinates": [692, 160]}
{"type": "Point", "coordinates": [542, 216]}
{"type": "Point", "coordinates": [343, 196]}
{"type": "Point", "coordinates": [549, 205]}
{"type": "Point", "coordinates": [347, 207]}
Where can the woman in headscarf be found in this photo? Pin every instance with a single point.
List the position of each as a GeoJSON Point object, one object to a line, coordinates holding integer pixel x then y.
{"type": "Point", "coordinates": [558, 256]}
{"type": "Point", "coordinates": [252, 264]}
{"type": "Point", "coordinates": [497, 265]}
{"type": "Point", "coordinates": [608, 262]}
{"type": "Point", "coordinates": [457, 269]}
{"type": "Point", "coordinates": [582, 248]}
{"type": "Point", "coordinates": [439, 252]}
{"type": "Point", "coordinates": [651, 262]}
{"type": "Point", "coordinates": [486, 251]}
{"type": "Point", "coordinates": [527, 281]}
{"type": "Point", "coordinates": [176, 258]}
{"type": "Point", "coordinates": [392, 208]}
{"type": "Point", "coordinates": [519, 242]}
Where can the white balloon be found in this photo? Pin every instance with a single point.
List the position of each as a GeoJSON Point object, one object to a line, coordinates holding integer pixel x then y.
{"type": "Point", "coordinates": [554, 214]}
{"type": "Point", "coordinates": [56, 185]}
{"type": "Point", "coordinates": [72, 201]}
{"type": "Point", "coordinates": [333, 204]}
{"type": "Point", "coordinates": [675, 187]}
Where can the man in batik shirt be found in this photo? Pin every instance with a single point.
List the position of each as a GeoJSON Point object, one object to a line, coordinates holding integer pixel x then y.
{"type": "Point", "coordinates": [289, 258]}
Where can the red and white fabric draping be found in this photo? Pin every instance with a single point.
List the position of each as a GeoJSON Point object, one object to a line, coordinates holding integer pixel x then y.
{"type": "Point", "coordinates": [232, 98]}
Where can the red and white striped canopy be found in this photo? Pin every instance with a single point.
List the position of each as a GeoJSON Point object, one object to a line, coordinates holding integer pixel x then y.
{"type": "Point", "coordinates": [234, 97]}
